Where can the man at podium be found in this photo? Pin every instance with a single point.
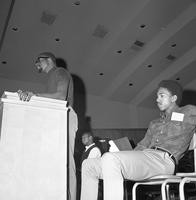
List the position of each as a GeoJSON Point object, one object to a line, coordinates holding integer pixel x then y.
{"type": "Point", "coordinates": [59, 83]}
{"type": "Point", "coordinates": [59, 86]}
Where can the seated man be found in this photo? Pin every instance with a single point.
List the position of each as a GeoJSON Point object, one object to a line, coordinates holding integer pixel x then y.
{"type": "Point", "coordinates": [91, 150]}
{"type": "Point", "coordinates": [166, 140]}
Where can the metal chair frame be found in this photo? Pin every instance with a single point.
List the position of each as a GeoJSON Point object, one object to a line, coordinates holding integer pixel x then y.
{"type": "Point", "coordinates": [165, 180]}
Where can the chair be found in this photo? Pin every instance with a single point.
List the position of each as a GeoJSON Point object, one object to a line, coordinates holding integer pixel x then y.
{"type": "Point", "coordinates": [188, 177]}
{"type": "Point", "coordinates": [162, 180]}
{"type": "Point", "coordinates": [165, 180]}
{"type": "Point", "coordinates": [182, 184]}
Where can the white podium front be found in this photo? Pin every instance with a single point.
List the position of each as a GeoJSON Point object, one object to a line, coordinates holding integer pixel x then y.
{"type": "Point", "coordinates": [33, 149]}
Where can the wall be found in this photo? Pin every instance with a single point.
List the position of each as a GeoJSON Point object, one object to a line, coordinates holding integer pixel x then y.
{"type": "Point", "coordinates": [13, 86]}
{"type": "Point", "coordinates": [103, 114]}
{"type": "Point", "coordinates": [107, 114]}
{"type": "Point", "coordinates": [145, 115]}
{"type": "Point", "coordinates": [111, 114]}
{"type": "Point", "coordinates": [140, 117]}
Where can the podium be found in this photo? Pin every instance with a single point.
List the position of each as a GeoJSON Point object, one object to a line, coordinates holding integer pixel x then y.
{"type": "Point", "coordinates": [33, 148]}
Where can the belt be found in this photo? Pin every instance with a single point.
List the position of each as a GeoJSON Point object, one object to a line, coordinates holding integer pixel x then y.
{"type": "Point", "coordinates": [164, 150]}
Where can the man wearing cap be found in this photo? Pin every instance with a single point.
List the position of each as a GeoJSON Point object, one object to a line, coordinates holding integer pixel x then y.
{"type": "Point", "coordinates": [59, 86]}
{"type": "Point", "coordinates": [165, 142]}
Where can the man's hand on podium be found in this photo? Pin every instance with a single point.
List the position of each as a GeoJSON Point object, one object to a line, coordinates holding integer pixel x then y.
{"type": "Point", "coordinates": [25, 96]}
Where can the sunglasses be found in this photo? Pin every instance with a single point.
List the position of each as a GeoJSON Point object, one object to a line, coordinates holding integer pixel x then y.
{"type": "Point", "coordinates": [38, 59]}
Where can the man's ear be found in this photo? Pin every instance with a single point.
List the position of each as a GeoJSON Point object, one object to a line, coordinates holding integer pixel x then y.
{"type": "Point", "coordinates": [50, 61]}
{"type": "Point", "coordinates": [91, 137]}
{"type": "Point", "coordinates": [174, 98]}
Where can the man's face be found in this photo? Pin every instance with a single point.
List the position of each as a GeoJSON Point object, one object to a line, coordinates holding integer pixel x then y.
{"type": "Point", "coordinates": [41, 64]}
{"type": "Point", "coordinates": [86, 139]}
{"type": "Point", "coordinates": [165, 99]}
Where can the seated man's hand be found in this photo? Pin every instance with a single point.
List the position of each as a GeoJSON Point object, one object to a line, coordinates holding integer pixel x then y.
{"type": "Point", "coordinates": [24, 96]}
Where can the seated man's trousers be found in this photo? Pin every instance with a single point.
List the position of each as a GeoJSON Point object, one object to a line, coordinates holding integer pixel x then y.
{"type": "Point", "coordinates": [113, 168]}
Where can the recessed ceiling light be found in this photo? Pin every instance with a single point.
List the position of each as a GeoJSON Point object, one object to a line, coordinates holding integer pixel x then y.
{"type": "Point", "coordinates": [171, 57]}
{"type": "Point", "coordinates": [119, 51]}
{"type": "Point", "coordinates": [173, 45]}
{"type": "Point", "coordinates": [142, 26]}
{"type": "Point", "coordinates": [77, 3]}
{"type": "Point", "coordinates": [149, 66]}
{"type": "Point", "coordinates": [101, 74]}
{"type": "Point", "coordinates": [130, 84]}
{"type": "Point", "coordinates": [14, 28]}
{"type": "Point", "coordinates": [57, 39]}
{"type": "Point", "coordinates": [139, 43]}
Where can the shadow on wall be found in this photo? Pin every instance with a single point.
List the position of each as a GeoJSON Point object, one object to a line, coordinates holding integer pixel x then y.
{"type": "Point", "coordinates": [80, 108]}
{"type": "Point", "coordinates": [60, 62]}
{"type": "Point", "coordinates": [84, 122]}
{"type": "Point", "coordinates": [189, 97]}
{"type": "Point", "coordinates": [79, 105]}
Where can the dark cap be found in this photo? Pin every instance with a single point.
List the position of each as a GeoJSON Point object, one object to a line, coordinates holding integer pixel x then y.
{"type": "Point", "coordinates": [174, 87]}
{"type": "Point", "coordinates": [47, 55]}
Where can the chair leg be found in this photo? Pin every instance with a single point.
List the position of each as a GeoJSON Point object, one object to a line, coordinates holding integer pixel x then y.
{"type": "Point", "coordinates": [166, 192]}
{"type": "Point", "coordinates": [165, 187]}
{"type": "Point", "coordinates": [134, 193]}
{"type": "Point", "coordinates": [163, 190]}
{"type": "Point", "coordinates": [182, 184]}
{"type": "Point", "coordinates": [181, 188]}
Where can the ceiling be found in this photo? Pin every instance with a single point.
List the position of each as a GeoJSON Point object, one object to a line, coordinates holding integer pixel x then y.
{"type": "Point", "coordinates": [119, 49]}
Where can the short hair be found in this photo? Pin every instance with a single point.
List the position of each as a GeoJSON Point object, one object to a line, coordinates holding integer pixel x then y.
{"type": "Point", "coordinates": [174, 87]}
{"type": "Point", "coordinates": [47, 55]}
{"type": "Point", "coordinates": [88, 133]}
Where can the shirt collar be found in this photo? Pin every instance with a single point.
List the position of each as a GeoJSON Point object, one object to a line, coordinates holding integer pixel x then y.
{"type": "Point", "coordinates": [165, 115]}
{"type": "Point", "coordinates": [87, 147]}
